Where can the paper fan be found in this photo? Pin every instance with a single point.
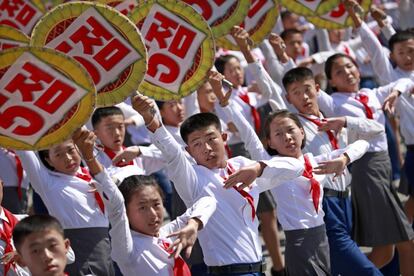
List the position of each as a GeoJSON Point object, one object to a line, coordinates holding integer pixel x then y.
{"type": "Point", "coordinates": [103, 40]}
{"type": "Point", "coordinates": [338, 18]}
{"type": "Point", "coordinates": [45, 96]}
{"type": "Point", "coordinates": [11, 37]}
{"type": "Point", "coordinates": [260, 20]}
{"type": "Point", "coordinates": [310, 8]}
{"type": "Point", "coordinates": [178, 58]}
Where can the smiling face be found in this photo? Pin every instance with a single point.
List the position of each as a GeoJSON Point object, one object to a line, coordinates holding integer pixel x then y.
{"type": "Point", "coordinates": [111, 131]}
{"type": "Point", "coordinates": [286, 137]}
{"type": "Point", "coordinates": [206, 146]}
{"type": "Point", "coordinates": [233, 72]}
{"type": "Point", "coordinates": [44, 253]}
{"type": "Point", "coordinates": [145, 211]}
{"type": "Point", "coordinates": [345, 76]}
{"type": "Point", "coordinates": [172, 113]}
{"type": "Point", "coordinates": [403, 54]}
{"type": "Point", "coordinates": [64, 158]}
{"type": "Point", "coordinates": [303, 95]}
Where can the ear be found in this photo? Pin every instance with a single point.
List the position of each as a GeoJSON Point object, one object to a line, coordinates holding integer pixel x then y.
{"type": "Point", "coordinates": [317, 87]}
{"type": "Point", "coordinates": [19, 260]}
{"type": "Point", "coordinates": [49, 162]}
{"type": "Point", "coordinates": [67, 245]}
{"type": "Point", "coordinates": [224, 136]}
{"type": "Point", "coordinates": [188, 149]}
{"type": "Point", "coordinates": [392, 57]}
{"type": "Point", "coordinates": [287, 97]}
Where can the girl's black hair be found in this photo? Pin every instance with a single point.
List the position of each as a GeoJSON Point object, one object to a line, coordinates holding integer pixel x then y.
{"type": "Point", "coordinates": [283, 113]}
{"type": "Point", "coordinates": [43, 154]}
{"type": "Point", "coordinates": [135, 183]}
{"type": "Point", "coordinates": [329, 63]}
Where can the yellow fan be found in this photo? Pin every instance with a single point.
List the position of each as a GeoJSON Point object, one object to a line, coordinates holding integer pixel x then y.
{"type": "Point", "coordinates": [309, 8]}
{"type": "Point", "coordinates": [65, 120]}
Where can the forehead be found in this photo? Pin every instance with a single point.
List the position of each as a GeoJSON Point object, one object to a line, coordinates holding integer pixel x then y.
{"type": "Point", "coordinates": [146, 193]}
{"type": "Point", "coordinates": [403, 44]}
{"type": "Point", "coordinates": [42, 237]}
{"type": "Point", "coordinates": [294, 37]}
{"type": "Point", "coordinates": [342, 61]}
{"type": "Point", "coordinates": [232, 62]}
{"type": "Point", "coordinates": [197, 134]}
{"type": "Point", "coordinates": [281, 122]}
{"type": "Point", "coordinates": [62, 147]}
{"type": "Point", "coordinates": [112, 119]}
{"type": "Point", "coordinates": [299, 84]}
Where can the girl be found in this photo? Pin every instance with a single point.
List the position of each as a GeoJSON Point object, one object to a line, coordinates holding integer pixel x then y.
{"type": "Point", "coordinates": [376, 204]}
{"type": "Point", "coordinates": [299, 201]}
{"type": "Point", "coordinates": [66, 190]}
{"type": "Point", "coordinates": [136, 214]}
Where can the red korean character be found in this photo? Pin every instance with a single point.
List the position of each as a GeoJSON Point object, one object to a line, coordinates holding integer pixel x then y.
{"type": "Point", "coordinates": [155, 31]}
{"type": "Point", "coordinates": [161, 59]}
{"type": "Point", "coordinates": [55, 96]}
{"type": "Point", "coordinates": [26, 85]}
{"type": "Point", "coordinates": [34, 121]}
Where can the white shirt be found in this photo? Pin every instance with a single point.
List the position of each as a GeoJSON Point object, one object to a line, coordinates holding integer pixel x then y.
{"type": "Point", "coordinates": [67, 197]}
{"type": "Point", "coordinates": [383, 68]}
{"type": "Point", "coordinates": [8, 172]}
{"type": "Point", "coordinates": [135, 251]}
{"type": "Point", "coordinates": [317, 142]}
{"type": "Point", "coordinates": [345, 104]}
{"type": "Point", "coordinates": [231, 235]}
{"type": "Point", "coordinates": [405, 110]}
{"type": "Point", "coordinates": [18, 270]}
{"type": "Point", "coordinates": [149, 161]}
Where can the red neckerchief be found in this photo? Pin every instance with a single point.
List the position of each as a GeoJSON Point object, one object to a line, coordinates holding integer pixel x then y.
{"type": "Point", "coordinates": [315, 189]}
{"type": "Point", "coordinates": [255, 114]}
{"type": "Point", "coordinates": [230, 170]}
{"type": "Point", "coordinates": [331, 135]}
{"type": "Point", "coordinates": [6, 236]}
{"type": "Point", "coordinates": [363, 99]}
{"type": "Point", "coordinates": [19, 173]}
{"type": "Point", "coordinates": [180, 266]}
{"type": "Point", "coordinates": [85, 175]}
{"type": "Point", "coordinates": [111, 154]}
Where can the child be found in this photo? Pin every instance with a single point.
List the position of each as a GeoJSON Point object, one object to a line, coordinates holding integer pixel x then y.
{"type": "Point", "coordinates": [283, 128]}
{"type": "Point", "coordinates": [401, 45]}
{"type": "Point", "coordinates": [41, 245]}
{"type": "Point", "coordinates": [109, 127]}
{"type": "Point", "coordinates": [136, 215]}
{"type": "Point", "coordinates": [15, 180]}
{"type": "Point", "coordinates": [65, 188]}
{"type": "Point", "coordinates": [301, 98]}
{"type": "Point", "coordinates": [371, 174]}
{"type": "Point", "coordinates": [230, 241]}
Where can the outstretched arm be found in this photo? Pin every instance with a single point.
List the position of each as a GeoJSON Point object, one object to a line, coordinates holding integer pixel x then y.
{"type": "Point", "coordinates": [177, 162]}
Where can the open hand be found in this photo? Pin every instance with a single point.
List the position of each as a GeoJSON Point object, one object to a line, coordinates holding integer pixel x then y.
{"type": "Point", "coordinates": [127, 155]}
{"type": "Point", "coordinates": [335, 124]}
{"type": "Point", "coordinates": [246, 176]}
{"type": "Point", "coordinates": [335, 166]}
{"type": "Point", "coordinates": [186, 238]}
{"type": "Point", "coordinates": [390, 102]}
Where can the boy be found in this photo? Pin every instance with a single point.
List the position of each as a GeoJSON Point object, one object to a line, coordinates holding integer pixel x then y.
{"type": "Point", "coordinates": [401, 45]}
{"type": "Point", "coordinates": [109, 127]}
{"type": "Point", "coordinates": [230, 241]}
{"type": "Point", "coordinates": [301, 97]}
{"type": "Point", "coordinates": [41, 245]}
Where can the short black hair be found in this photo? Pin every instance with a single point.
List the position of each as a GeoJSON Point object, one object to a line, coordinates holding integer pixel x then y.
{"type": "Point", "coordinates": [103, 112]}
{"type": "Point", "coordinates": [134, 183]}
{"type": "Point", "coordinates": [284, 14]}
{"type": "Point", "coordinates": [400, 36]}
{"type": "Point", "coordinates": [221, 62]}
{"type": "Point", "coordinates": [197, 122]}
{"type": "Point", "coordinates": [296, 74]}
{"type": "Point", "coordinates": [330, 61]}
{"type": "Point", "coordinates": [34, 224]}
{"type": "Point", "coordinates": [288, 32]}
{"type": "Point", "coordinates": [283, 113]}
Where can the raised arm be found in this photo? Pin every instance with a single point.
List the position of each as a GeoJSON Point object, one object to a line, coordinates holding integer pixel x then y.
{"type": "Point", "coordinates": [253, 144]}
{"type": "Point", "coordinates": [35, 170]}
{"type": "Point", "coordinates": [382, 66]}
{"type": "Point", "coordinates": [177, 162]}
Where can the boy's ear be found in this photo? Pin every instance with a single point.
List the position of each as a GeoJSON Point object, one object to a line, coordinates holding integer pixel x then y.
{"type": "Point", "coordinates": [224, 136]}
{"type": "Point", "coordinates": [392, 57]}
{"type": "Point", "coordinates": [317, 87]}
{"type": "Point", "coordinates": [19, 260]}
{"type": "Point", "coordinates": [67, 244]}
{"type": "Point", "coordinates": [287, 97]}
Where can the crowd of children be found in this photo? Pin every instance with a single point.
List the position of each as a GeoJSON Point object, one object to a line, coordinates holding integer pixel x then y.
{"type": "Point", "coordinates": [298, 139]}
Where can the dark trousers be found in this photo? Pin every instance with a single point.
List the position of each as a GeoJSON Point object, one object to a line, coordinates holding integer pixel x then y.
{"type": "Point", "coordinates": [346, 257]}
